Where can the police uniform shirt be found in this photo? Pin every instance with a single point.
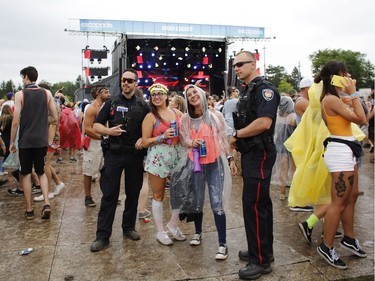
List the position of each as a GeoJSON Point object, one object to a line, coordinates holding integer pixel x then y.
{"type": "Point", "coordinates": [267, 101]}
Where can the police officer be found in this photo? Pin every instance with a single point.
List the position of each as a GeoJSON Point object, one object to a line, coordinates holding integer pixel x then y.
{"type": "Point", "coordinates": [124, 114]}
{"type": "Point", "coordinates": [254, 123]}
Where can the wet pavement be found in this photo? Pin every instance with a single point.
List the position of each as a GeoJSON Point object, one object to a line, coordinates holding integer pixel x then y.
{"type": "Point", "coordinates": [61, 246]}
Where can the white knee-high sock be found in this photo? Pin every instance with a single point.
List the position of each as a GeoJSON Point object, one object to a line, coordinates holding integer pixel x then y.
{"type": "Point", "coordinates": [157, 212]}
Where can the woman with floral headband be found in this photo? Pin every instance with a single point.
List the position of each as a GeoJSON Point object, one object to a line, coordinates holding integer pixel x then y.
{"type": "Point", "coordinates": [163, 154]}
{"type": "Point", "coordinates": [203, 129]}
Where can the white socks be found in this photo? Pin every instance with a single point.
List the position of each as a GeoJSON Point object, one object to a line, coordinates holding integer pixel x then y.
{"type": "Point", "coordinates": [157, 213]}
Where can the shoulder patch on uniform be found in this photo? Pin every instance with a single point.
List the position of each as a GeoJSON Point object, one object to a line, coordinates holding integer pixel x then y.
{"type": "Point", "coordinates": [268, 94]}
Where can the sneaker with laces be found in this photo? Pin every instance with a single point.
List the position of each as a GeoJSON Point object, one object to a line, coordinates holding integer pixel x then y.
{"type": "Point", "coordinates": [89, 202]}
{"type": "Point", "coordinates": [352, 245]}
{"type": "Point", "coordinates": [29, 215]}
{"type": "Point", "coordinates": [196, 239]}
{"type": "Point", "coordinates": [222, 253]}
{"type": "Point", "coordinates": [176, 233]}
{"type": "Point", "coordinates": [58, 188]}
{"type": "Point", "coordinates": [46, 212]}
{"type": "Point", "coordinates": [306, 231]}
{"type": "Point", "coordinates": [163, 238]}
{"type": "Point", "coordinates": [330, 256]}
{"type": "Point", "coordinates": [72, 160]}
{"type": "Point", "coordinates": [36, 189]}
{"type": "Point", "coordinates": [40, 198]}
{"type": "Point", "coordinates": [15, 192]}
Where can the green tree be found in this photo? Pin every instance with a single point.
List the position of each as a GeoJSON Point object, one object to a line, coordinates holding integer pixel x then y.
{"type": "Point", "coordinates": [7, 86]}
{"type": "Point", "coordinates": [294, 78]}
{"type": "Point", "coordinates": [360, 68]}
{"type": "Point", "coordinates": [285, 87]}
{"type": "Point", "coordinates": [275, 74]}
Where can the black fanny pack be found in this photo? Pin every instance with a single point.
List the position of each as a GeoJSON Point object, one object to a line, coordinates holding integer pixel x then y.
{"type": "Point", "coordinates": [355, 146]}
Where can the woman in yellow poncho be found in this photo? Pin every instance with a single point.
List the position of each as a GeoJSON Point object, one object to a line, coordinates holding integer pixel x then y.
{"type": "Point", "coordinates": [311, 183]}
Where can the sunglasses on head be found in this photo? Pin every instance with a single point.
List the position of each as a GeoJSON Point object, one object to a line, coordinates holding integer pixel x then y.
{"type": "Point", "coordinates": [129, 80]}
{"type": "Point", "coordinates": [241, 63]}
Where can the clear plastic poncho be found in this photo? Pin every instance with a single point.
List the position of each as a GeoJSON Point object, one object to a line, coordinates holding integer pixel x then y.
{"type": "Point", "coordinates": [283, 170]}
{"type": "Point", "coordinates": [210, 127]}
{"type": "Point", "coordinates": [311, 183]}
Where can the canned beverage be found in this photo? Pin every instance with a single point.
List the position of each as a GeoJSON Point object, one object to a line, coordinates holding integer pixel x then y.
{"type": "Point", "coordinates": [174, 127]}
{"type": "Point", "coordinates": [25, 252]}
{"type": "Point", "coordinates": [202, 149]}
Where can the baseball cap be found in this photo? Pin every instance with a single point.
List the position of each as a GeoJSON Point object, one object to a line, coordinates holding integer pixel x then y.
{"type": "Point", "coordinates": [10, 95]}
{"type": "Point", "coordinates": [305, 82]}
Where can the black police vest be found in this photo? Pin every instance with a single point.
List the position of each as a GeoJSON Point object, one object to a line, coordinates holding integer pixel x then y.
{"type": "Point", "coordinates": [128, 114]}
{"type": "Point", "coordinates": [247, 107]}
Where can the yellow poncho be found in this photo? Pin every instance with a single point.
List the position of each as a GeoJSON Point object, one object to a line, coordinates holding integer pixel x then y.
{"type": "Point", "coordinates": [311, 183]}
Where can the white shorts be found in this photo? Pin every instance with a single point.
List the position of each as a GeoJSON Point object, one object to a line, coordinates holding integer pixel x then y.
{"type": "Point", "coordinates": [339, 157]}
{"type": "Point", "coordinates": [92, 159]}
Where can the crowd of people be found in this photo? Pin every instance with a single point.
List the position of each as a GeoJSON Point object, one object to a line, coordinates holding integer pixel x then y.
{"type": "Point", "coordinates": [191, 140]}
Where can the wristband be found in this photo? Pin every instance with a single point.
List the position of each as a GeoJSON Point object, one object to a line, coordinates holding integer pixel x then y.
{"type": "Point", "coordinates": [11, 142]}
{"type": "Point", "coordinates": [354, 94]}
{"type": "Point", "coordinates": [158, 139]}
{"type": "Point", "coordinates": [163, 137]}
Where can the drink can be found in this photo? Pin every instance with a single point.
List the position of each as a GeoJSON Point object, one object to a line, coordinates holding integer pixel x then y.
{"type": "Point", "coordinates": [25, 251]}
{"type": "Point", "coordinates": [203, 149]}
{"type": "Point", "coordinates": [174, 127]}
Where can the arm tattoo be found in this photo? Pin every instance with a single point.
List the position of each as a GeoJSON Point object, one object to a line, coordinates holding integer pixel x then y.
{"type": "Point", "coordinates": [340, 185]}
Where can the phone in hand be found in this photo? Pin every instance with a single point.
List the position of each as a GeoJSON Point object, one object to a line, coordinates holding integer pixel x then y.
{"type": "Point", "coordinates": [338, 81]}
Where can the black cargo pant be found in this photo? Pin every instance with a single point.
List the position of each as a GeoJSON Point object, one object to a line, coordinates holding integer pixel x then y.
{"type": "Point", "coordinates": [114, 164]}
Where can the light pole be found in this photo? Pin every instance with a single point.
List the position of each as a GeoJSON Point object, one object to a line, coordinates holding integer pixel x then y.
{"type": "Point", "coordinates": [264, 61]}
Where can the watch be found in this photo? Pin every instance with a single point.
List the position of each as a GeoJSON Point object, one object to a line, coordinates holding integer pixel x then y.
{"type": "Point", "coordinates": [234, 134]}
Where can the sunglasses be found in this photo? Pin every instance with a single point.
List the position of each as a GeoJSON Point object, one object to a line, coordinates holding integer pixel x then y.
{"type": "Point", "coordinates": [157, 95]}
{"type": "Point", "coordinates": [129, 80]}
{"type": "Point", "coordinates": [241, 63]}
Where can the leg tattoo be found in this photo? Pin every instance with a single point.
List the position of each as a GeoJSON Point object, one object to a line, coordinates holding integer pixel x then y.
{"type": "Point", "coordinates": [340, 185]}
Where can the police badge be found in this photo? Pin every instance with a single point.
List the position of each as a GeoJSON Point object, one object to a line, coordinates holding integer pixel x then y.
{"type": "Point", "coordinates": [267, 94]}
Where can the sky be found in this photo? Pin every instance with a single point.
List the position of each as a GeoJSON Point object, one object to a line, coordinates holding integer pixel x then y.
{"type": "Point", "coordinates": [32, 32]}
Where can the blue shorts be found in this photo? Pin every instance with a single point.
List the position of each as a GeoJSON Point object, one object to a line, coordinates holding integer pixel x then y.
{"type": "Point", "coordinates": [161, 159]}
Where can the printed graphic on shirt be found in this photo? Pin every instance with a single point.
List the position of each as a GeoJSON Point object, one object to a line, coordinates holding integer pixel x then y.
{"type": "Point", "coordinates": [122, 109]}
{"type": "Point", "coordinates": [268, 94]}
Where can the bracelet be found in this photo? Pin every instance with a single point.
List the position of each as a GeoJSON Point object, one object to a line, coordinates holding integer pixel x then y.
{"type": "Point", "coordinates": [354, 94]}
{"type": "Point", "coordinates": [11, 142]}
{"type": "Point", "coordinates": [163, 137]}
{"type": "Point", "coordinates": [158, 139]}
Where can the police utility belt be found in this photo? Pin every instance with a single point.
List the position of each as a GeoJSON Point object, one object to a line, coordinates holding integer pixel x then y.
{"type": "Point", "coordinates": [259, 142]}
{"type": "Point", "coordinates": [118, 148]}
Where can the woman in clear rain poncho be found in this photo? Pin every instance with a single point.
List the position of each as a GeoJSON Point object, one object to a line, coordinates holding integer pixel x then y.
{"type": "Point", "coordinates": [203, 125]}
{"type": "Point", "coordinates": [284, 167]}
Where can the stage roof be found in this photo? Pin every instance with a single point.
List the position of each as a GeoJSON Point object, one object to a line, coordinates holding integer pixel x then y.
{"type": "Point", "coordinates": [165, 29]}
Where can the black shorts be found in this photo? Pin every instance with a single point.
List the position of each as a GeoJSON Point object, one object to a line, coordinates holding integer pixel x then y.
{"type": "Point", "coordinates": [30, 157]}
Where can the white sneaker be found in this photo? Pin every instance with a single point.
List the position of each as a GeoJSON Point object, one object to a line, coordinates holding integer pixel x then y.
{"type": "Point", "coordinates": [163, 238]}
{"type": "Point", "coordinates": [222, 253]}
{"type": "Point", "coordinates": [41, 198]}
{"type": "Point", "coordinates": [196, 239]}
{"type": "Point", "coordinates": [176, 233]}
{"type": "Point", "coordinates": [58, 188]}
